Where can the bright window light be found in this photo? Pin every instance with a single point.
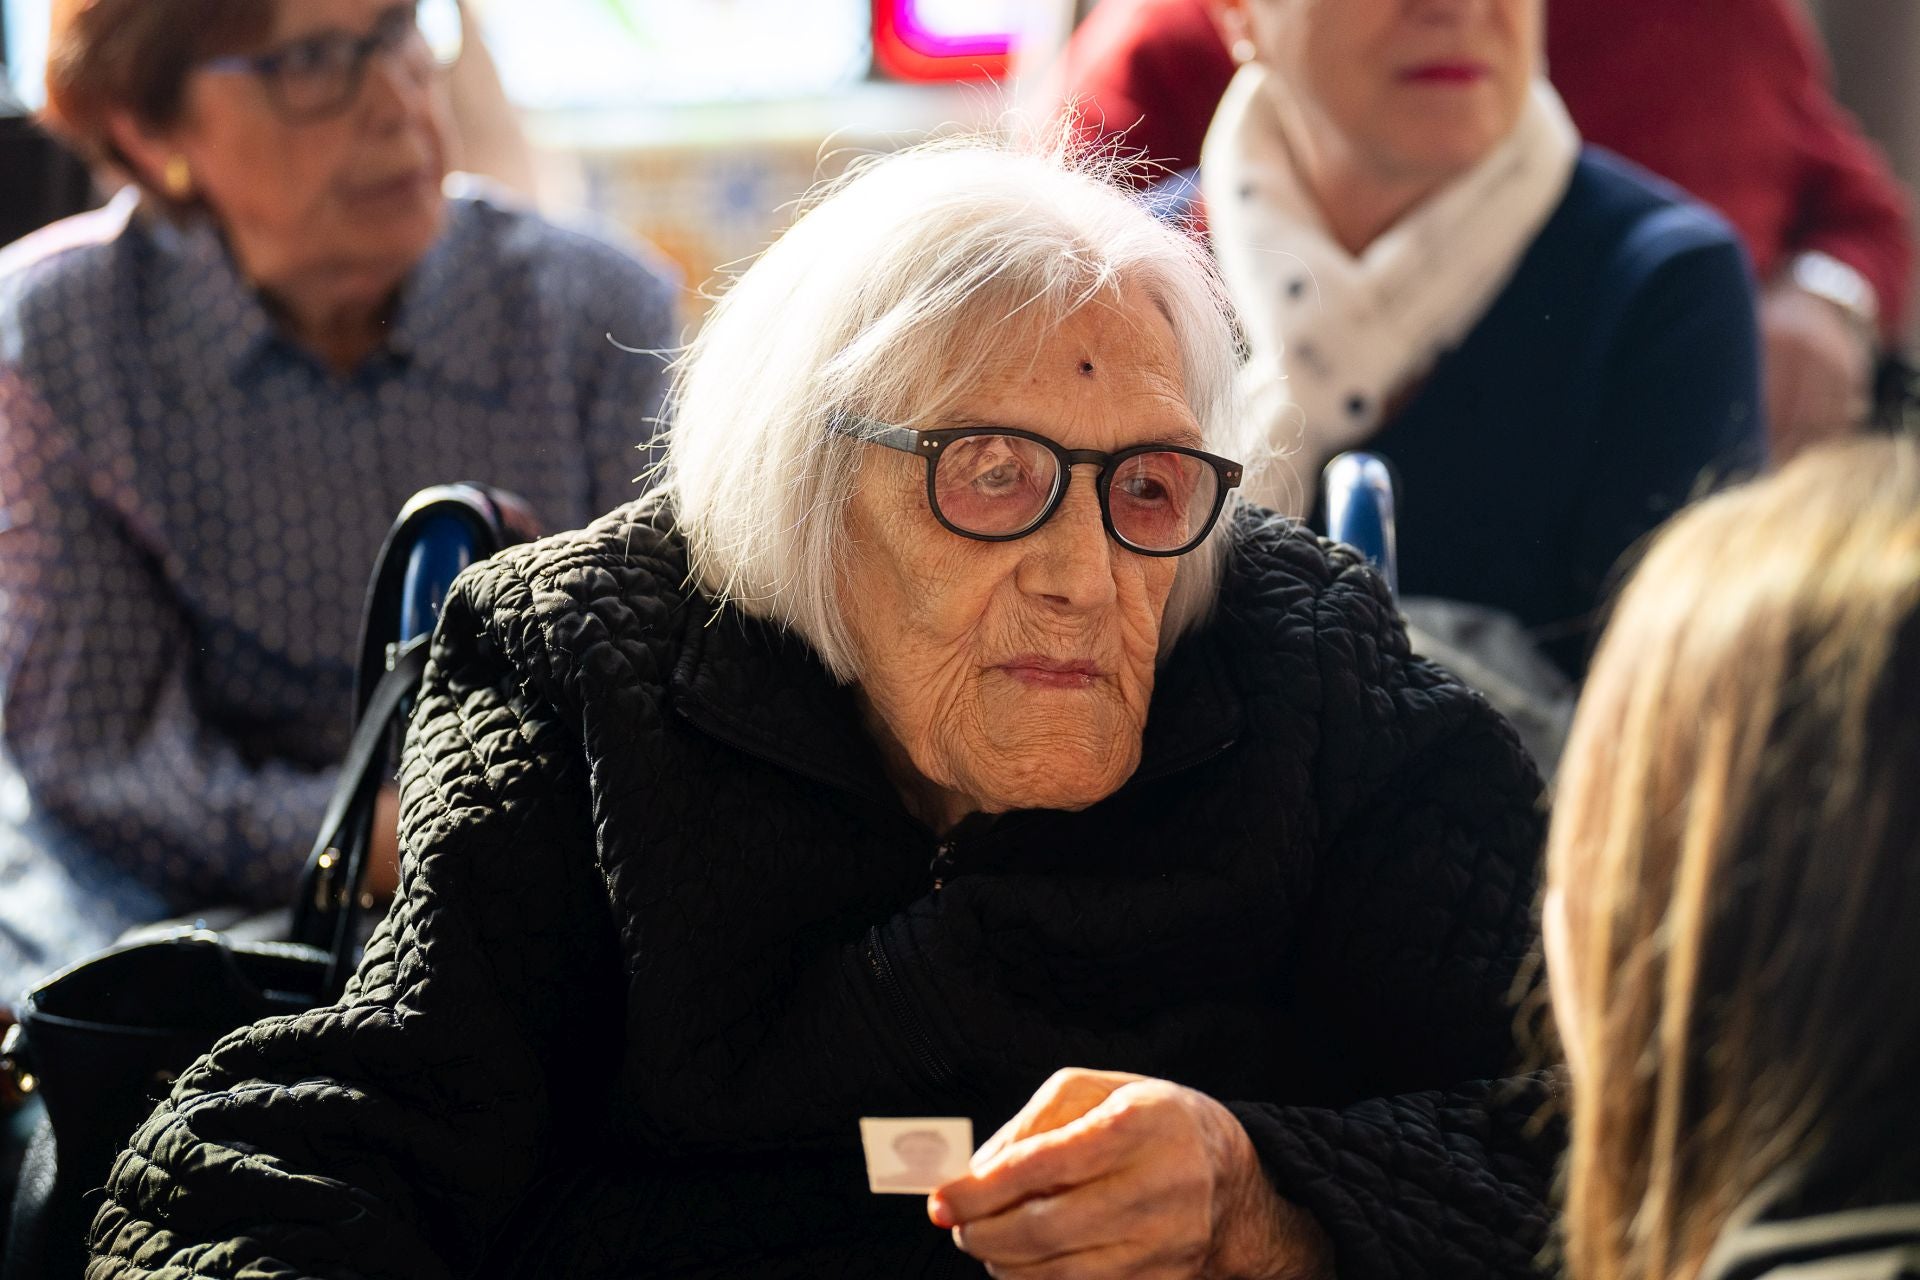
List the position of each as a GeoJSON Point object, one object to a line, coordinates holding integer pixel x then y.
{"type": "Point", "coordinates": [588, 54]}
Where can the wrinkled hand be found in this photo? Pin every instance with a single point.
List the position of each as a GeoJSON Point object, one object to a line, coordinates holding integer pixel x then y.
{"type": "Point", "coordinates": [1104, 1174]}
{"type": "Point", "coordinates": [1819, 368]}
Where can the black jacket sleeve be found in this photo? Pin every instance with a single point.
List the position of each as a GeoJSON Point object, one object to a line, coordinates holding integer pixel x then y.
{"type": "Point", "coordinates": [389, 1135]}
{"type": "Point", "coordinates": [1428, 1160]}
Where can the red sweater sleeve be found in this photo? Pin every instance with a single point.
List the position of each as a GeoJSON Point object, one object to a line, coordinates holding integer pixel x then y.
{"type": "Point", "coordinates": [1729, 99]}
{"type": "Point", "coordinates": [1150, 73]}
{"type": "Point", "coordinates": [1851, 206]}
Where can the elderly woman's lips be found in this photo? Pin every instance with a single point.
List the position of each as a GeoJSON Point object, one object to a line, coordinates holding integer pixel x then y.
{"type": "Point", "coordinates": [1050, 673]}
{"type": "Point", "coordinates": [1446, 73]}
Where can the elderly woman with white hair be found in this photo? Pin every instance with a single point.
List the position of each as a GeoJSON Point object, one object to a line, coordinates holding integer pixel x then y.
{"type": "Point", "coordinates": [941, 740]}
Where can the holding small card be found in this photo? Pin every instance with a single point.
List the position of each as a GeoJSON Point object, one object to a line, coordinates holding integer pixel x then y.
{"type": "Point", "coordinates": [912, 1157]}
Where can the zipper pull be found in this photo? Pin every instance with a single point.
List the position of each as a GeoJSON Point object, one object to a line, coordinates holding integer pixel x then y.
{"type": "Point", "coordinates": [941, 864]}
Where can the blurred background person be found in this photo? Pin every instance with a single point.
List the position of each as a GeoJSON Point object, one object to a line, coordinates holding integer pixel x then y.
{"type": "Point", "coordinates": [1728, 98]}
{"type": "Point", "coordinates": [48, 181]}
{"type": "Point", "coordinates": [216, 393]}
{"type": "Point", "coordinates": [1553, 352]}
{"type": "Point", "coordinates": [1734, 880]}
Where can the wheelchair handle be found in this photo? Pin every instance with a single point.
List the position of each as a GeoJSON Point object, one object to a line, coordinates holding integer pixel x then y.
{"type": "Point", "coordinates": [444, 546]}
{"type": "Point", "coordinates": [1360, 510]}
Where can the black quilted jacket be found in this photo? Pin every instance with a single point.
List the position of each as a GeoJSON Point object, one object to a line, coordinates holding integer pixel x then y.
{"type": "Point", "coordinates": [665, 932]}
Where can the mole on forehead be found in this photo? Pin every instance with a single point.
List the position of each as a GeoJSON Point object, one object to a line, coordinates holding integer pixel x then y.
{"type": "Point", "coordinates": [1086, 366]}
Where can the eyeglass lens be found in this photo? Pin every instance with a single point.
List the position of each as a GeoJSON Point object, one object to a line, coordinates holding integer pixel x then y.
{"type": "Point", "coordinates": [997, 486]}
{"type": "Point", "coordinates": [322, 74]}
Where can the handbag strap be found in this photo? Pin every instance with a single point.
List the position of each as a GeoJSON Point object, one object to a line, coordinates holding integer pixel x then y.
{"type": "Point", "coordinates": [366, 755]}
{"type": "Point", "coordinates": [475, 521]}
{"type": "Point", "coordinates": [337, 866]}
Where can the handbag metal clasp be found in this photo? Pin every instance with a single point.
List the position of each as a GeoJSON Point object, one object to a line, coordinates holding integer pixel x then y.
{"type": "Point", "coordinates": [326, 894]}
{"type": "Point", "coordinates": [13, 1060]}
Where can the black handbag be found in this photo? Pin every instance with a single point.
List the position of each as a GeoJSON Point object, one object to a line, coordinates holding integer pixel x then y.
{"type": "Point", "coordinates": [102, 1040]}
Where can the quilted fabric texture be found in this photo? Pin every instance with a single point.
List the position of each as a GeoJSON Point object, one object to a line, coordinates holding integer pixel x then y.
{"type": "Point", "coordinates": [665, 932]}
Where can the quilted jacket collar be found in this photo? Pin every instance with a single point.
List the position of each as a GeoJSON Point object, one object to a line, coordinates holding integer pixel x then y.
{"type": "Point", "coordinates": [759, 688]}
{"type": "Point", "coordinates": [762, 690]}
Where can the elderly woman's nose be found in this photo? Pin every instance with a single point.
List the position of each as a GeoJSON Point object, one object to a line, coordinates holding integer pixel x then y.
{"type": "Point", "coordinates": [1069, 559]}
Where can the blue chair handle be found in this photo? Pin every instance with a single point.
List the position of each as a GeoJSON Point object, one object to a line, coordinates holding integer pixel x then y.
{"type": "Point", "coordinates": [1360, 511]}
{"type": "Point", "coordinates": [444, 546]}
{"type": "Point", "coordinates": [438, 533]}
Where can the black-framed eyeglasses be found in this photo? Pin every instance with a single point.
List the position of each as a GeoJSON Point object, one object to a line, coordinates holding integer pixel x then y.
{"type": "Point", "coordinates": [1001, 483]}
{"type": "Point", "coordinates": [320, 76]}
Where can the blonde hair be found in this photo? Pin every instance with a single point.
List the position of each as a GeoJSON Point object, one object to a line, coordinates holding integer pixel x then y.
{"type": "Point", "coordinates": [1737, 844]}
{"type": "Point", "coordinates": [890, 295]}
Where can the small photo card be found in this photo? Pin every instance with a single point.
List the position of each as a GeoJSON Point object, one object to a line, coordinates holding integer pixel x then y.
{"type": "Point", "coordinates": [914, 1154]}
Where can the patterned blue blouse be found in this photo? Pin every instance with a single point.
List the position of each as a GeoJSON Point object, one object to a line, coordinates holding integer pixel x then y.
{"type": "Point", "coordinates": [189, 509]}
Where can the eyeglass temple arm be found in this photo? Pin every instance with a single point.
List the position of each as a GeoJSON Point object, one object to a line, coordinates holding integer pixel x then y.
{"type": "Point", "coordinates": [905, 439]}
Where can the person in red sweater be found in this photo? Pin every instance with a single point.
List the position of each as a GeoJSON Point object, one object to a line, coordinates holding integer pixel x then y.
{"type": "Point", "coordinates": [1727, 98]}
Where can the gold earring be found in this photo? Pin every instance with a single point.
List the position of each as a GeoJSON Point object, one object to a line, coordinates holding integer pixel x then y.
{"type": "Point", "coordinates": [1242, 51]}
{"type": "Point", "coordinates": [177, 177]}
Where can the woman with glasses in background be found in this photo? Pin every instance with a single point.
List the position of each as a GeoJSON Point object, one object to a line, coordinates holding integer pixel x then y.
{"type": "Point", "coordinates": [215, 394]}
{"type": "Point", "coordinates": [942, 740]}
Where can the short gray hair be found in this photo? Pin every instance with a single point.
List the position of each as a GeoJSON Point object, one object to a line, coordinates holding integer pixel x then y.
{"type": "Point", "coordinates": [872, 304]}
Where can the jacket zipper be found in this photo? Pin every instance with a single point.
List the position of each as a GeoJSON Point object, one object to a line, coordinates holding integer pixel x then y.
{"type": "Point", "coordinates": [941, 864]}
{"type": "Point", "coordinates": [894, 992]}
{"type": "Point", "coordinates": [926, 1054]}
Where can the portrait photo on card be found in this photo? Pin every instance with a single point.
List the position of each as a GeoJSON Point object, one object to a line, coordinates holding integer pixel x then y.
{"type": "Point", "coordinates": [911, 1155]}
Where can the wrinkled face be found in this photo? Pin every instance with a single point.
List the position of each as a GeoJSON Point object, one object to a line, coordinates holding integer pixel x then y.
{"type": "Point", "coordinates": [350, 199]}
{"type": "Point", "coordinates": [1416, 90]}
{"type": "Point", "coordinates": [1016, 675]}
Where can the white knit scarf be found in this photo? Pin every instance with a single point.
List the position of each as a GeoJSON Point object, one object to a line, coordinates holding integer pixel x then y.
{"type": "Point", "coordinates": [1333, 338]}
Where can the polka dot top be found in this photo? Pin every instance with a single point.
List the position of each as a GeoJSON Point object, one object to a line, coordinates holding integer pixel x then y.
{"type": "Point", "coordinates": [190, 508]}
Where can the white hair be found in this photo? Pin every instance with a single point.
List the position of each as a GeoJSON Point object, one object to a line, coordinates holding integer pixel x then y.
{"type": "Point", "coordinates": [875, 303]}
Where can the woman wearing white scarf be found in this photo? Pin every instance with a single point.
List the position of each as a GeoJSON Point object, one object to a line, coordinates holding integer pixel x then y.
{"type": "Point", "coordinates": [1426, 262]}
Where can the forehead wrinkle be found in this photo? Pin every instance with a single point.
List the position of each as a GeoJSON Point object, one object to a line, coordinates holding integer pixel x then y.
{"type": "Point", "coordinates": [1023, 320]}
{"type": "Point", "coordinates": [1133, 391]}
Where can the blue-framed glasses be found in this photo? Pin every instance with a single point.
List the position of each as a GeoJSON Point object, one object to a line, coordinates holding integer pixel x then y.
{"type": "Point", "coordinates": [996, 484]}
{"type": "Point", "coordinates": [320, 75]}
